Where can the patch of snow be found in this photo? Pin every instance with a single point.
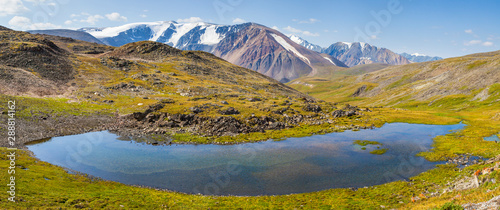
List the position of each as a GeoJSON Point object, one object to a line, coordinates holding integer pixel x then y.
{"type": "Point", "coordinates": [289, 47]}
{"type": "Point", "coordinates": [210, 37]}
{"type": "Point", "coordinates": [330, 60]}
{"type": "Point", "coordinates": [349, 44]}
{"type": "Point", "coordinates": [365, 58]}
{"type": "Point", "coordinates": [362, 45]}
{"type": "Point", "coordinates": [182, 29]}
{"type": "Point", "coordinates": [159, 29]}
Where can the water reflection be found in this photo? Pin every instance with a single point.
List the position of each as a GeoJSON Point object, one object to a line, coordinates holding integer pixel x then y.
{"type": "Point", "coordinates": [294, 165]}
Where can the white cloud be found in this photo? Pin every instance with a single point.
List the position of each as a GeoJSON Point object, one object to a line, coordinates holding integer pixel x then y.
{"type": "Point", "coordinates": [44, 26]}
{"type": "Point", "coordinates": [275, 28]}
{"type": "Point", "coordinates": [68, 22]}
{"type": "Point", "coordinates": [20, 22]}
{"type": "Point", "coordinates": [92, 19]}
{"type": "Point", "coordinates": [12, 7]}
{"type": "Point", "coordinates": [190, 20]}
{"type": "Point", "coordinates": [238, 21]}
{"type": "Point", "coordinates": [472, 42]}
{"type": "Point", "coordinates": [25, 23]}
{"type": "Point", "coordinates": [307, 33]}
{"type": "Point", "coordinates": [36, 1]}
{"type": "Point", "coordinates": [309, 21]}
{"type": "Point", "coordinates": [469, 31]}
{"type": "Point", "coordinates": [143, 16]}
{"type": "Point", "coordinates": [373, 37]}
{"type": "Point", "coordinates": [478, 42]}
{"type": "Point", "coordinates": [298, 31]}
{"type": "Point", "coordinates": [487, 44]}
{"type": "Point", "coordinates": [493, 37]}
{"type": "Point", "coordinates": [115, 16]}
{"type": "Point", "coordinates": [292, 29]}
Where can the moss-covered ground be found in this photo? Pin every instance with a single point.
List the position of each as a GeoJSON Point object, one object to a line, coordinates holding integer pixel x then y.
{"type": "Point", "coordinates": [42, 185]}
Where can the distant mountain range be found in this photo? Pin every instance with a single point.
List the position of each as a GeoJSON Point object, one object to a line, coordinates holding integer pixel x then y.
{"type": "Point", "coordinates": [249, 45]}
{"type": "Point", "coordinates": [416, 57]}
{"type": "Point", "coordinates": [356, 53]}
{"type": "Point", "coordinates": [79, 35]}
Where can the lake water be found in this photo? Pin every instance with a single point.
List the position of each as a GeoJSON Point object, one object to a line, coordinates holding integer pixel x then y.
{"type": "Point", "coordinates": [294, 165]}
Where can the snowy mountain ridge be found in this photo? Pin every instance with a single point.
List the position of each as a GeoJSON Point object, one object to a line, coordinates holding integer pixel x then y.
{"type": "Point", "coordinates": [418, 57]}
{"type": "Point", "coordinates": [178, 35]}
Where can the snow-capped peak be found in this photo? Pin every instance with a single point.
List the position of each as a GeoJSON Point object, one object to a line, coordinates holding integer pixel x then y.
{"type": "Point", "coordinates": [157, 31]}
{"type": "Point", "coordinates": [304, 43]}
{"type": "Point", "coordinates": [296, 39]}
{"type": "Point", "coordinates": [362, 45]}
{"type": "Point", "coordinates": [289, 47]}
{"type": "Point", "coordinates": [115, 31]}
{"type": "Point", "coordinates": [417, 54]}
{"type": "Point", "coordinates": [349, 44]}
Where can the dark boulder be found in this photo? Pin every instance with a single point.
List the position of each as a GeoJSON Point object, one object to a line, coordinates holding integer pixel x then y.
{"type": "Point", "coordinates": [312, 108]}
{"type": "Point", "coordinates": [229, 111]}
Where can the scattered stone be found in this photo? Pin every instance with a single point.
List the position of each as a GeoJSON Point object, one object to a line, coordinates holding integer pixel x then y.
{"type": "Point", "coordinates": [224, 102]}
{"type": "Point", "coordinates": [167, 101]}
{"type": "Point", "coordinates": [196, 110]}
{"type": "Point", "coordinates": [464, 160]}
{"type": "Point", "coordinates": [229, 111]}
{"type": "Point", "coordinates": [359, 91]}
{"type": "Point", "coordinates": [312, 108]}
{"type": "Point", "coordinates": [341, 113]}
{"type": "Point", "coordinates": [254, 99]}
{"type": "Point", "coordinates": [198, 98]}
{"type": "Point", "coordinates": [494, 203]}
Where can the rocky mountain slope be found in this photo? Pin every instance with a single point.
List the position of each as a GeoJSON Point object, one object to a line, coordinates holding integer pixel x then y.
{"type": "Point", "coordinates": [357, 53]}
{"type": "Point", "coordinates": [461, 80]}
{"type": "Point", "coordinates": [248, 45]}
{"type": "Point", "coordinates": [143, 88]}
{"type": "Point", "coordinates": [416, 57]}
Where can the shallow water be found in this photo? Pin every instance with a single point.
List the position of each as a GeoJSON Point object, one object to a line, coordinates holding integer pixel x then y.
{"type": "Point", "coordinates": [494, 137]}
{"type": "Point", "coordinates": [294, 165]}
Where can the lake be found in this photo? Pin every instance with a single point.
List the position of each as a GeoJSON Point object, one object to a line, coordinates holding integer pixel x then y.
{"type": "Point", "coordinates": [294, 165]}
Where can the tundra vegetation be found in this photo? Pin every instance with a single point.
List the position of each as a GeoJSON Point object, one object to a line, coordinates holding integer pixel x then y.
{"type": "Point", "coordinates": [151, 89]}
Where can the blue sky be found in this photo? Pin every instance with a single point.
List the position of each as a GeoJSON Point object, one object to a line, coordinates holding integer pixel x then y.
{"type": "Point", "coordinates": [444, 28]}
